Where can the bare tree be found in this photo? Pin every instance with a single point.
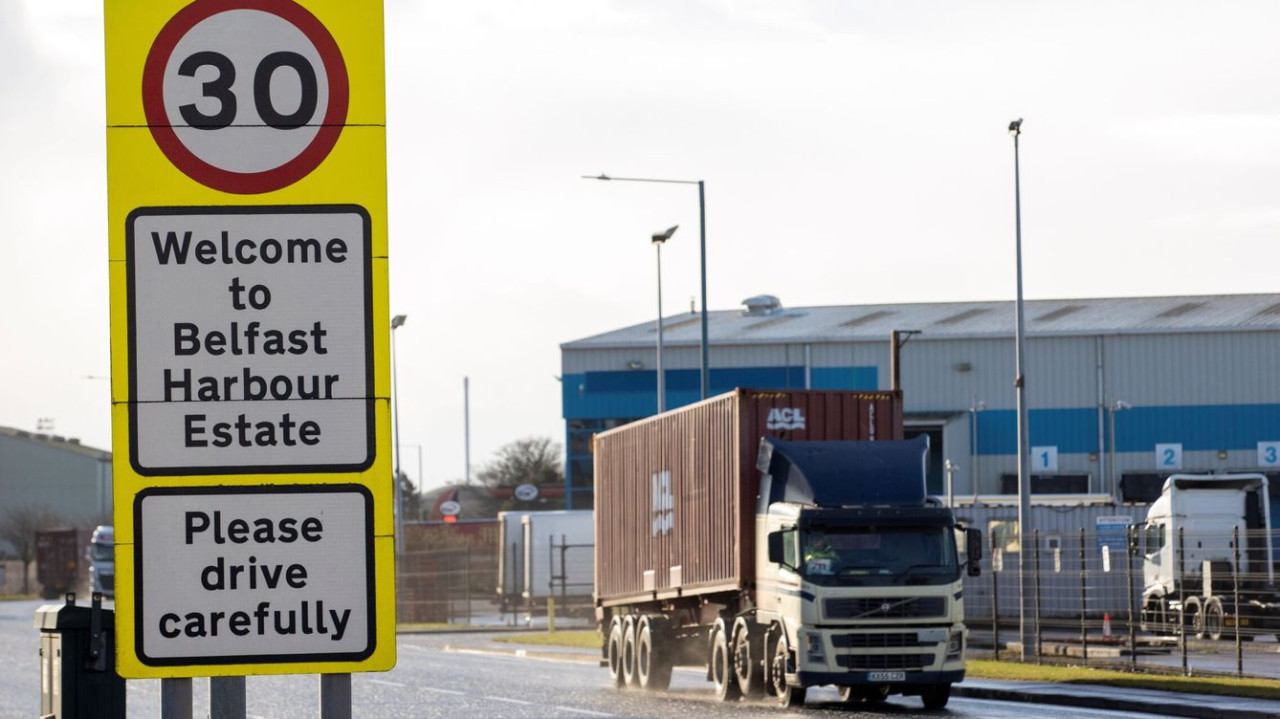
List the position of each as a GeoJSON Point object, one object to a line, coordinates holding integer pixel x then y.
{"type": "Point", "coordinates": [532, 460]}
{"type": "Point", "coordinates": [18, 527]}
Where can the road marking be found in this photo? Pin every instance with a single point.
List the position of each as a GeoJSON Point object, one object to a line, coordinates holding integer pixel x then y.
{"type": "Point", "coordinates": [588, 712]}
{"type": "Point", "coordinates": [444, 691]}
{"type": "Point", "coordinates": [385, 683]}
{"type": "Point", "coordinates": [507, 701]}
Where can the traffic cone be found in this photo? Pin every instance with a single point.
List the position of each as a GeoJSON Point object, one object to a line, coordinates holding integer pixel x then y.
{"type": "Point", "coordinates": [1106, 624]}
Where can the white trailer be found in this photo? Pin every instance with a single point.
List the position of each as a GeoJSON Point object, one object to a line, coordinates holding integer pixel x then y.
{"type": "Point", "coordinates": [558, 556]}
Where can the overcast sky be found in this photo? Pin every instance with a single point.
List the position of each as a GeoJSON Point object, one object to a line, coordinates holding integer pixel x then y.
{"type": "Point", "coordinates": [853, 152]}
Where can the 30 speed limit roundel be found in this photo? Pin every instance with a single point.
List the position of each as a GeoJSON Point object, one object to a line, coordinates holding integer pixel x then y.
{"type": "Point", "coordinates": [245, 96]}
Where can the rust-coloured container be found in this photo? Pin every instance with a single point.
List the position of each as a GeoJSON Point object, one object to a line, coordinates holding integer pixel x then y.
{"type": "Point", "coordinates": [675, 494]}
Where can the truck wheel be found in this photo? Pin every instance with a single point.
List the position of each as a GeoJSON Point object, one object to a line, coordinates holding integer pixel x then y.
{"type": "Point", "coordinates": [726, 684]}
{"type": "Point", "coordinates": [874, 694]}
{"type": "Point", "coordinates": [748, 664]}
{"type": "Point", "coordinates": [653, 660]}
{"type": "Point", "coordinates": [613, 652]}
{"type": "Point", "coordinates": [629, 651]}
{"type": "Point", "coordinates": [788, 695]}
{"type": "Point", "coordinates": [1213, 618]}
{"type": "Point", "coordinates": [1192, 618]}
{"type": "Point", "coordinates": [936, 696]}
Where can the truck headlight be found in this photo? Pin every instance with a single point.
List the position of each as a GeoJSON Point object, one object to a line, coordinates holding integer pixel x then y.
{"type": "Point", "coordinates": [955, 645]}
{"type": "Point", "coordinates": [813, 647]}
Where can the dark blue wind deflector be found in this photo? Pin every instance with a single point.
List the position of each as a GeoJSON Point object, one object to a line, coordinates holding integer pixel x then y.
{"type": "Point", "coordinates": [843, 473]}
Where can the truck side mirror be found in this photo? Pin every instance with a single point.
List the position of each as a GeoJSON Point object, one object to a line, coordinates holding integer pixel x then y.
{"type": "Point", "coordinates": [973, 550]}
{"type": "Point", "coordinates": [776, 554]}
{"type": "Point", "coordinates": [1135, 543]}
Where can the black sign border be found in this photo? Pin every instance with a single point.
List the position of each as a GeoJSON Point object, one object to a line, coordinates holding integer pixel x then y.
{"type": "Point", "coordinates": [131, 289]}
{"type": "Point", "coordinates": [371, 641]}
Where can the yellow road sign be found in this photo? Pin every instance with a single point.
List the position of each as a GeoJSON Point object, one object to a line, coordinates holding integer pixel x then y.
{"type": "Point", "coordinates": [246, 163]}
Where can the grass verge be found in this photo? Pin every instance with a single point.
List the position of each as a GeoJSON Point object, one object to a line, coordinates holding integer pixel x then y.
{"type": "Point", "coordinates": [581, 639]}
{"type": "Point", "coordinates": [1268, 689]}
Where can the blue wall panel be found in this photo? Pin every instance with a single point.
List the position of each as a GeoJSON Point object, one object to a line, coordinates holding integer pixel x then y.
{"type": "Point", "coordinates": [1075, 431]}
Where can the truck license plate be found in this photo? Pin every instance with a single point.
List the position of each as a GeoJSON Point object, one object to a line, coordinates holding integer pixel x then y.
{"type": "Point", "coordinates": [886, 676]}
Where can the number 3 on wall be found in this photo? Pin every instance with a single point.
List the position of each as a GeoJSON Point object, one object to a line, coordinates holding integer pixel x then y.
{"type": "Point", "coordinates": [1269, 454]}
{"type": "Point", "coordinates": [1169, 456]}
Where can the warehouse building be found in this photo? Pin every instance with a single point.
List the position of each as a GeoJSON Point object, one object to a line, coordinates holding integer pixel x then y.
{"type": "Point", "coordinates": [48, 472]}
{"type": "Point", "coordinates": [1121, 392]}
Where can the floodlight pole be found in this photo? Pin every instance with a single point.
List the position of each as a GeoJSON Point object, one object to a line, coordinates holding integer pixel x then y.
{"type": "Point", "coordinates": [1026, 589]}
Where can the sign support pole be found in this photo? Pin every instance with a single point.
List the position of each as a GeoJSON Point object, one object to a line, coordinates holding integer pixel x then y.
{"type": "Point", "coordinates": [226, 698]}
{"type": "Point", "coordinates": [335, 696]}
{"type": "Point", "coordinates": [175, 698]}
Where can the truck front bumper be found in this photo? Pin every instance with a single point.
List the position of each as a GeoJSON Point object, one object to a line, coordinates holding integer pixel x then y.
{"type": "Point", "coordinates": [849, 679]}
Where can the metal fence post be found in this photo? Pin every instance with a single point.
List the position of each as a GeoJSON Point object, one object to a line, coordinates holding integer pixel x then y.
{"type": "Point", "coordinates": [1182, 599]}
{"type": "Point", "coordinates": [1084, 602]}
{"type": "Point", "coordinates": [1235, 592]}
{"type": "Point", "coordinates": [1128, 575]}
{"type": "Point", "coordinates": [1039, 629]}
{"type": "Point", "coordinates": [995, 601]}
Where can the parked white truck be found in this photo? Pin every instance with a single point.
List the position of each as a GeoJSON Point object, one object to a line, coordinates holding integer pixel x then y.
{"type": "Point", "coordinates": [1206, 546]}
{"type": "Point", "coordinates": [102, 560]}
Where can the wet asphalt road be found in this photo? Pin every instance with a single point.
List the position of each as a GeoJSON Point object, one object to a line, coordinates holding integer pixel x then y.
{"type": "Point", "coordinates": [456, 676]}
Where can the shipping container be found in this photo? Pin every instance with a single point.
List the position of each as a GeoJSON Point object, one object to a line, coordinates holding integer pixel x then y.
{"type": "Point", "coordinates": [675, 494]}
{"type": "Point", "coordinates": [58, 565]}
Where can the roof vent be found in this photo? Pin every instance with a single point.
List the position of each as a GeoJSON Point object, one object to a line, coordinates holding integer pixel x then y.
{"type": "Point", "coordinates": [762, 306]}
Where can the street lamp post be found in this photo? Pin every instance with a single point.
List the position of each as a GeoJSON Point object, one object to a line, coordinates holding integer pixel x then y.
{"type": "Point", "coordinates": [705, 373]}
{"type": "Point", "coordinates": [396, 323]}
{"type": "Point", "coordinates": [1026, 589]}
{"type": "Point", "coordinates": [1113, 407]}
{"type": "Point", "coordinates": [659, 239]}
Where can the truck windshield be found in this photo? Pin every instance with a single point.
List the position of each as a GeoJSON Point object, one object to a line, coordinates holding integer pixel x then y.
{"type": "Point", "coordinates": [100, 552]}
{"type": "Point", "coordinates": [835, 555]}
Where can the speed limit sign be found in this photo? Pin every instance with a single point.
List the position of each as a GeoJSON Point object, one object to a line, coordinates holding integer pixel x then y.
{"type": "Point", "coordinates": [245, 96]}
{"type": "Point", "coordinates": [250, 342]}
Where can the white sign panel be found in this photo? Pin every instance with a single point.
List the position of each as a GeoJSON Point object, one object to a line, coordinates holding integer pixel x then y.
{"type": "Point", "coordinates": [254, 574]}
{"type": "Point", "coordinates": [1169, 456]}
{"type": "Point", "coordinates": [250, 339]}
{"type": "Point", "coordinates": [1269, 454]}
{"type": "Point", "coordinates": [1044, 459]}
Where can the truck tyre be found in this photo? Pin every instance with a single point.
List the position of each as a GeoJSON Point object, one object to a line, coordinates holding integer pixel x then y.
{"type": "Point", "coordinates": [873, 694]}
{"type": "Point", "coordinates": [629, 651]}
{"type": "Point", "coordinates": [726, 684]}
{"type": "Point", "coordinates": [788, 695]}
{"type": "Point", "coordinates": [936, 696]}
{"type": "Point", "coordinates": [1213, 618]}
{"type": "Point", "coordinates": [748, 660]}
{"type": "Point", "coordinates": [653, 655]}
{"type": "Point", "coordinates": [1192, 618]}
{"type": "Point", "coordinates": [613, 652]}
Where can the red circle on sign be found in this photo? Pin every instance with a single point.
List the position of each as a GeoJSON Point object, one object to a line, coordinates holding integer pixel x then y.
{"type": "Point", "coordinates": [244, 183]}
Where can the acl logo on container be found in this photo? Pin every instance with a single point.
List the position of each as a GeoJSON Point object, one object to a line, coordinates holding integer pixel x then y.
{"type": "Point", "coordinates": [785, 418]}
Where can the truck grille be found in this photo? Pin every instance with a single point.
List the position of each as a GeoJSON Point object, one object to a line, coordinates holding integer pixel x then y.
{"type": "Point", "coordinates": [885, 607]}
{"type": "Point", "coordinates": [108, 582]}
{"type": "Point", "coordinates": [879, 662]}
{"type": "Point", "coordinates": [879, 641]}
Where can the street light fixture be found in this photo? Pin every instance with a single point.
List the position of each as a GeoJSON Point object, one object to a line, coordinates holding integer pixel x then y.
{"type": "Point", "coordinates": [396, 323]}
{"type": "Point", "coordinates": [1027, 591]}
{"type": "Point", "coordinates": [705, 373]}
{"type": "Point", "coordinates": [659, 239]}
